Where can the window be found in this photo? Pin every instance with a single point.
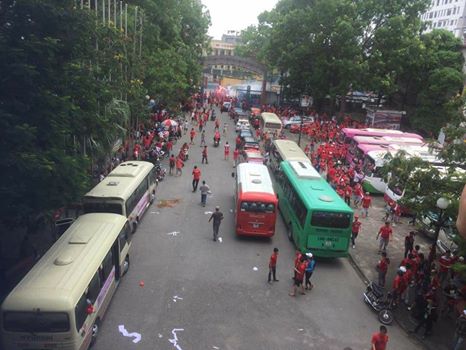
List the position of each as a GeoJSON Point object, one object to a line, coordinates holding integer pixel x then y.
{"type": "Point", "coordinates": [258, 207]}
{"type": "Point", "coordinates": [136, 196]}
{"type": "Point", "coordinates": [80, 312]}
{"type": "Point", "coordinates": [107, 266]}
{"type": "Point", "coordinates": [330, 219]}
{"type": "Point", "coordinates": [102, 207]}
{"type": "Point", "coordinates": [36, 322]}
{"type": "Point", "coordinates": [93, 289]}
{"type": "Point", "coordinates": [124, 237]}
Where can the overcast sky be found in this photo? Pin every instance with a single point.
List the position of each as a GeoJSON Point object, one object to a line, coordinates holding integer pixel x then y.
{"type": "Point", "coordinates": [234, 14]}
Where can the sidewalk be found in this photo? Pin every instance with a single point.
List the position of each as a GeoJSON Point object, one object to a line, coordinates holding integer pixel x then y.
{"type": "Point", "coordinates": [365, 257]}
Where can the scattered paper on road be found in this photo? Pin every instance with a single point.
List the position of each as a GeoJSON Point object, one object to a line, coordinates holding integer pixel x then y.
{"type": "Point", "coordinates": [174, 233]}
{"type": "Point", "coordinates": [155, 212]}
{"type": "Point", "coordinates": [176, 297]}
{"type": "Point", "coordinates": [208, 212]}
{"type": "Point", "coordinates": [215, 347]}
{"type": "Point", "coordinates": [220, 239]}
{"type": "Point", "coordinates": [255, 268]}
{"type": "Point", "coordinates": [124, 332]}
{"type": "Point", "coordinates": [160, 335]}
{"type": "Point", "coordinates": [174, 341]}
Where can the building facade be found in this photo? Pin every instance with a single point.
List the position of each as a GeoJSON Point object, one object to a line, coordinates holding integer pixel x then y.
{"type": "Point", "coordinates": [447, 14]}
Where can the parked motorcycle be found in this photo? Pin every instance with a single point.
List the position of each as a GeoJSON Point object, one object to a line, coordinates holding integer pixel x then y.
{"type": "Point", "coordinates": [381, 303]}
{"type": "Point", "coordinates": [160, 172]}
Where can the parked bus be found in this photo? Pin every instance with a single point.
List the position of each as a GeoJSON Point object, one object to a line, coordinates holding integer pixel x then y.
{"type": "Point", "coordinates": [270, 123]}
{"type": "Point", "coordinates": [285, 150]}
{"type": "Point", "coordinates": [387, 140]}
{"type": "Point", "coordinates": [128, 190]}
{"type": "Point", "coordinates": [348, 134]}
{"type": "Point", "coordinates": [60, 303]}
{"type": "Point", "coordinates": [361, 150]}
{"type": "Point", "coordinates": [255, 200]}
{"type": "Point", "coordinates": [318, 220]}
{"type": "Point", "coordinates": [373, 181]}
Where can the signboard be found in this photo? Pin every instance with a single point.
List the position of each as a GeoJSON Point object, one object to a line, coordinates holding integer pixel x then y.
{"type": "Point", "coordinates": [384, 119]}
{"type": "Point", "coordinates": [306, 101]}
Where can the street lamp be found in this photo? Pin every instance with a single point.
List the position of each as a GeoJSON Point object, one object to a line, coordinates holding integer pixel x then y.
{"type": "Point", "coordinates": [442, 205]}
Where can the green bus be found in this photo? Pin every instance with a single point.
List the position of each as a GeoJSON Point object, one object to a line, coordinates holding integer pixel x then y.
{"type": "Point", "coordinates": [317, 219]}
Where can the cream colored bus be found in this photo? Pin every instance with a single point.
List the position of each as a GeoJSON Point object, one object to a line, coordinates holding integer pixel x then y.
{"type": "Point", "coordinates": [60, 303]}
{"type": "Point", "coordinates": [271, 124]}
{"type": "Point", "coordinates": [285, 150]}
{"type": "Point", "coordinates": [128, 190]}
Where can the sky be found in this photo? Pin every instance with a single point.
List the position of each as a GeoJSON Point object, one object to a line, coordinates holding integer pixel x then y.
{"type": "Point", "coordinates": [234, 14]}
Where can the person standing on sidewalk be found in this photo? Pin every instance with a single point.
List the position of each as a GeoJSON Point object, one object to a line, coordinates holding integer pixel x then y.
{"type": "Point", "coordinates": [385, 233]}
{"type": "Point", "coordinates": [460, 331]}
{"type": "Point", "coordinates": [380, 339]}
{"type": "Point", "coordinates": [196, 177]}
{"type": "Point", "coordinates": [217, 218]}
{"type": "Point", "coordinates": [204, 155]}
{"type": "Point", "coordinates": [366, 204]}
{"type": "Point", "coordinates": [310, 266]}
{"type": "Point", "coordinates": [273, 266]}
{"type": "Point", "coordinates": [205, 189]}
{"type": "Point", "coordinates": [382, 268]}
{"type": "Point", "coordinates": [355, 228]}
{"type": "Point", "coordinates": [409, 243]}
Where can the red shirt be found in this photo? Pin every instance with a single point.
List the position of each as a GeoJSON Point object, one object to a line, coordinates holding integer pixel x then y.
{"type": "Point", "coordinates": [380, 341]}
{"type": "Point", "coordinates": [301, 269]}
{"type": "Point", "coordinates": [356, 226]}
{"type": "Point", "coordinates": [235, 154]}
{"type": "Point", "coordinates": [192, 134]}
{"type": "Point", "coordinates": [382, 265]}
{"type": "Point", "coordinates": [366, 201]}
{"type": "Point", "coordinates": [227, 149]}
{"type": "Point", "coordinates": [196, 174]}
{"type": "Point", "coordinates": [179, 163]}
{"type": "Point", "coordinates": [273, 260]}
{"type": "Point", "coordinates": [385, 232]}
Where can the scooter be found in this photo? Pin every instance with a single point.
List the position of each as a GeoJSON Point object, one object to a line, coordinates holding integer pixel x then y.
{"type": "Point", "coordinates": [160, 173]}
{"type": "Point", "coordinates": [216, 142]}
{"type": "Point", "coordinates": [384, 305]}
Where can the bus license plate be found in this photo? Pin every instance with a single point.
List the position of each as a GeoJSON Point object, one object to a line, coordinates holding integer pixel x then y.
{"type": "Point", "coordinates": [255, 225]}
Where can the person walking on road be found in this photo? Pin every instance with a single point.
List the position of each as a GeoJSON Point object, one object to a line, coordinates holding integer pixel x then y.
{"type": "Point", "coordinates": [171, 163]}
{"type": "Point", "coordinates": [299, 269]}
{"type": "Point", "coordinates": [205, 190]}
{"type": "Point", "coordinates": [179, 166]}
{"type": "Point", "coordinates": [355, 228]}
{"type": "Point", "coordinates": [409, 243]}
{"type": "Point", "coordinates": [310, 266]}
{"type": "Point", "coordinates": [203, 138]}
{"type": "Point", "coordinates": [460, 331]}
{"type": "Point", "coordinates": [385, 233]}
{"type": "Point", "coordinates": [366, 204]}
{"type": "Point", "coordinates": [382, 268]}
{"type": "Point", "coordinates": [273, 266]}
{"type": "Point", "coordinates": [217, 217]}
{"type": "Point", "coordinates": [226, 150]}
{"type": "Point", "coordinates": [196, 177]}
{"type": "Point", "coordinates": [235, 157]}
{"type": "Point", "coordinates": [192, 134]}
{"type": "Point", "coordinates": [204, 155]}
{"type": "Point", "coordinates": [380, 339]}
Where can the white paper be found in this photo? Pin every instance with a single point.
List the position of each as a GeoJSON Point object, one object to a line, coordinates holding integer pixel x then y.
{"type": "Point", "coordinates": [124, 332]}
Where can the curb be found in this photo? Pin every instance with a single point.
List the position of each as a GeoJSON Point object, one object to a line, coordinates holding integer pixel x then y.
{"type": "Point", "coordinates": [402, 325]}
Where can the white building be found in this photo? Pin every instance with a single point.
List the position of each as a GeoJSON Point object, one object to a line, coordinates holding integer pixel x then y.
{"type": "Point", "coordinates": [447, 14]}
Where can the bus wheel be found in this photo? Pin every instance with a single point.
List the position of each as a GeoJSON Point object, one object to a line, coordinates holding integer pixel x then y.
{"type": "Point", "coordinates": [126, 265]}
{"type": "Point", "coordinates": [289, 232]}
{"type": "Point", "coordinates": [95, 332]}
{"type": "Point", "coordinates": [134, 227]}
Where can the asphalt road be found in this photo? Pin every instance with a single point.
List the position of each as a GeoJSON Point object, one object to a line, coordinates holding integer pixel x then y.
{"type": "Point", "coordinates": [199, 294]}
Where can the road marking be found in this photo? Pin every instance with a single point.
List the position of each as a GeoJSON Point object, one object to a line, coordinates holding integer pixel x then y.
{"type": "Point", "coordinates": [174, 341]}
{"type": "Point", "coordinates": [124, 332]}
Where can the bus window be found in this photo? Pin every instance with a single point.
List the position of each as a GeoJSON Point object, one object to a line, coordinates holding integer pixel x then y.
{"type": "Point", "coordinates": [332, 220]}
{"type": "Point", "coordinates": [80, 312]}
{"type": "Point", "coordinates": [258, 207]}
{"type": "Point", "coordinates": [36, 322]}
{"type": "Point", "coordinates": [107, 265]}
{"type": "Point", "coordinates": [102, 207]}
{"type": "Point", "coordinates": [94, 288]}
{"type": "Point", "coordinates": [124, 237]}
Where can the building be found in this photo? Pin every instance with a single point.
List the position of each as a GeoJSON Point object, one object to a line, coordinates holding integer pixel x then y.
{"type": "Point", "coordinates": [447, 14]}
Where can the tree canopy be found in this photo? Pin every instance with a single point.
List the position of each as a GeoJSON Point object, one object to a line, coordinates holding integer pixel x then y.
{"type": "Point", "coordinates": [73, 82]}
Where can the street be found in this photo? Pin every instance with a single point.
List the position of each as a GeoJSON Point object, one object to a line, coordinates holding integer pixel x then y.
{"type": "Point", "coordinates": [184, 291]}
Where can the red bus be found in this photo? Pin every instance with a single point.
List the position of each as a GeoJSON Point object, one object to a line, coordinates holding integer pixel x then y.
{"type": "Point", "coordinates": [256, 201]}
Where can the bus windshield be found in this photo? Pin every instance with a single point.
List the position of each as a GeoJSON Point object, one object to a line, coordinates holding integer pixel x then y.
{"type": "Point", "coordinates": [330, 219]}
{"type": "Point", "coordinates": [103, 207]}
{"type": "Point", "coordinates": [258, 207]}
{"type": "Point", "coordinates": [36, 322]}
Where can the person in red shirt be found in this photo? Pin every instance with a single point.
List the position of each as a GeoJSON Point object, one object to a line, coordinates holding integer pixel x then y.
{"type": "Point", "coordinates": [273, 265]}
{"type": "Point", "coordinates": [169, 147]}
{"type": "Point", "coordinates": [358, 194]}
{"type": "Point", "coordinates": [226, 150]}
{"type": "Point", "coordinates": [236, 156]}
{"type": "Point", "coordinates": [379, 340]}
{"type": "Point", "coordinates": [196, 177]}
{"type": "Point", "coordinates": [191, 135]}
{"type": "Point", "coordinates": [385, 233]}
{"type": "Point", "coordinates": [382, 268]}
{"type": "Point", "coordinates": [355, 228]}
{"type": "Point", "coordinates": [348, 193]}
{"type": "Point", "coordinates": [398, 285]}
{"type": "Point", "coordinates": [179, 166]}
{"type": "Point", "coordinates": [366, 204]}
{"type": "Point", "coordinates": [300, 270]}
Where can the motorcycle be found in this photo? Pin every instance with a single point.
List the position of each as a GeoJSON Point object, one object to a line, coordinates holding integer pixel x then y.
{"type": "Point", "coordinates": [160, 173]}
{"type": "Point", "coordinates": [381, 303]}
{"type": "Point", "coordinates": [216, 142]}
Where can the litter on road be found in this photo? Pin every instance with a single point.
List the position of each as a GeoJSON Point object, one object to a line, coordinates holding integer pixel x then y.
{"type": "Point", "coordinates": [124, 332]}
